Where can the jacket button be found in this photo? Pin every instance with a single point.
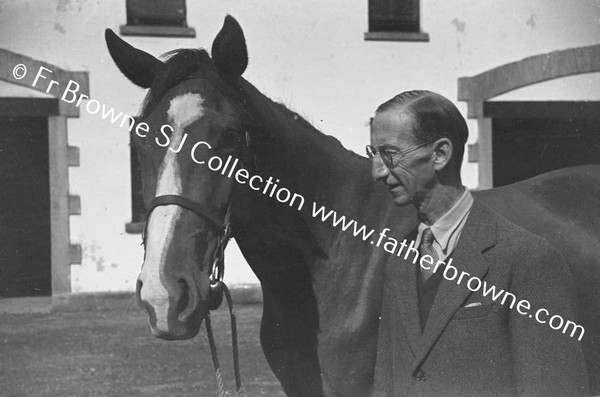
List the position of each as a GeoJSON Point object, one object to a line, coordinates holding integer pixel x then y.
{"type": "Point", "coordinates": [420, 375]}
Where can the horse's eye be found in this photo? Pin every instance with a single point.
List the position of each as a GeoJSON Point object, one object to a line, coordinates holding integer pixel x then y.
{"type": "Point", "coordinates": [234, 137]}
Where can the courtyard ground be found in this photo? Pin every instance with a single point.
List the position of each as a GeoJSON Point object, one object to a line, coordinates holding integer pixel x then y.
{"type": "Point", "coordinates": [113, 353]}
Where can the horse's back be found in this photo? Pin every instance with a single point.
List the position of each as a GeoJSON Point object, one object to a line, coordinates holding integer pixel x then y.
{"type": "Point", "coordinates": [563, 206]}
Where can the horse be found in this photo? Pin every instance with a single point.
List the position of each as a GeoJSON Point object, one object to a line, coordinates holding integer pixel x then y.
{"type": "Point", "coordinates": [321, 285]}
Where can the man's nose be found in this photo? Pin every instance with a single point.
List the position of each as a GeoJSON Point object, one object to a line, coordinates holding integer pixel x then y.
{"type": "Point", "coordinates": [378, 169]}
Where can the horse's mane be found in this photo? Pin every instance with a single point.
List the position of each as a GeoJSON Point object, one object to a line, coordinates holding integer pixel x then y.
{"type": "Point", "coordinates": [306, 127]}
{"type": "Point", "coordinates": [180, 64]}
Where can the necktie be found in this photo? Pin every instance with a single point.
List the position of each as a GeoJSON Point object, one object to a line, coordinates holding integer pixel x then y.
{"type": "Point", "coordinates": [426, 248]}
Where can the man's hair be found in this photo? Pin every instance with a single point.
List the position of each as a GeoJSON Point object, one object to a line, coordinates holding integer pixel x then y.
{"type": "Point", "coordinates": [435, 117]}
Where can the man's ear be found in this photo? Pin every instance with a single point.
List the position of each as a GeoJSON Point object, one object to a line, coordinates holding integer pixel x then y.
{"type": "Point", "coordinates": [138, 66]}
{"type": "Point", "coordinates": [442, 153]}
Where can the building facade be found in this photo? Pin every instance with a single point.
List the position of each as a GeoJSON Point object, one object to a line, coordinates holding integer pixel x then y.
{"type": "Point", "coordinates": [525, 73]}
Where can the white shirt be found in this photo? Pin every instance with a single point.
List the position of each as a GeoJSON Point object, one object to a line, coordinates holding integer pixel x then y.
{"type": "Point", "coordinates": [448, 228]}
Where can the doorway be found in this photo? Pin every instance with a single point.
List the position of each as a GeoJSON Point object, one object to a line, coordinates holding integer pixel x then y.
{"type": "Point", "coordinates": [531, 138]}
{"type": "Point", "coordinates": [25, 246]}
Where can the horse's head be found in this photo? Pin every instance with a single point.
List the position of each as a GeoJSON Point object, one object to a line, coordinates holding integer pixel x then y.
{"type": "Point", "coordinates": [193, 119]}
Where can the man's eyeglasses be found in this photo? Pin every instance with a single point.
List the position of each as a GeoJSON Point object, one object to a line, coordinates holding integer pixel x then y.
{"type": "Point", "coordinates": [391, 157]}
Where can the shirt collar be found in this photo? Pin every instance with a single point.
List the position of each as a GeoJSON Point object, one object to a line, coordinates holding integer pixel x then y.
{"type": "Point", "coordinates": [446, 226]}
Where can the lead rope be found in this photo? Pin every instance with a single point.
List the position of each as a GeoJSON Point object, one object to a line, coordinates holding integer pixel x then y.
{"type": "Point", "coordinates": [219, 267]}
{"type": "Point", "coordinates": [215, 356]}
{"type": "Point", "coordinates": [234, 343]}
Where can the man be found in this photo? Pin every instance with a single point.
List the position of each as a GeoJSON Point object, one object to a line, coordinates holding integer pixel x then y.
{"type": "Point", "coordinates": [437, 336]}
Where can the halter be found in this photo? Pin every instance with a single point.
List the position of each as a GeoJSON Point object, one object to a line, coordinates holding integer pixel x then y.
{"type": "Point", "coordinates": [223, 235]}
{"type": "Point", "coordinates": [217, 286]}
{"type": "Point", "coordinates": [223, 232]}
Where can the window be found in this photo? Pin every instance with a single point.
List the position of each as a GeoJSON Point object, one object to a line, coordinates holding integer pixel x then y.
{"type": "Point", "coordinates": [166, 18]}
{"type": "Point", "coordinates": [138, 210]}
{"type": "Point", "coordinates": [397, 20]}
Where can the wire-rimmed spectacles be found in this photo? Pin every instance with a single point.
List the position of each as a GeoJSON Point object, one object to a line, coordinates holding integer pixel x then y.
{"type": "Point", "coordinates": [388, 155]}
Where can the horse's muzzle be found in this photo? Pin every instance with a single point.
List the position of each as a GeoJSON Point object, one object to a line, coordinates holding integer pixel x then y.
{"type": "Point", "coordinates": [175, 312]}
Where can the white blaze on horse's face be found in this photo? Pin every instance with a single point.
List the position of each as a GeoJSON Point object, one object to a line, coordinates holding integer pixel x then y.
{"type": "Point", "coordinates": [183, 111]}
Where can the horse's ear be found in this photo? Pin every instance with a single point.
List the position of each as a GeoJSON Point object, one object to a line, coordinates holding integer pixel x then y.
{"type": "Point", "coordinates": [229, 52]}
{"type": "Point", "coordinates": [138, 66]}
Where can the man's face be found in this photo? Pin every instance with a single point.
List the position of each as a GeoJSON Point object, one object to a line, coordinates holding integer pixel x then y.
{"type": "Point", "coordinates": [412, 175]}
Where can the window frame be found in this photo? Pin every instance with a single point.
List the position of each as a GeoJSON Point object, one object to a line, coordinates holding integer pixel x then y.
{"type": "Point", "coordinates": [138, 209]}
{"type": "Point", "coordinates": [399, 33]}
{"type": "Point", "coordinates": [144, 24]}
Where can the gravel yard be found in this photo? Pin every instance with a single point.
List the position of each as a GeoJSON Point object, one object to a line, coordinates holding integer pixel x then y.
{"type": "Point", "coordinates": [113, 353]}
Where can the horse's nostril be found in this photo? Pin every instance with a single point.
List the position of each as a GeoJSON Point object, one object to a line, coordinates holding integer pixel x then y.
{"type": "Point", "coordinates": [151, 313]}
{"type": "Point", "coordinates": [184, 299]}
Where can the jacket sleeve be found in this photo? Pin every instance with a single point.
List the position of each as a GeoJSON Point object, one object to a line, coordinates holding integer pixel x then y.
{"type": "Point", "coordinates": [383, 382]}
{"type": "Point", "coordinates": [546, 361]}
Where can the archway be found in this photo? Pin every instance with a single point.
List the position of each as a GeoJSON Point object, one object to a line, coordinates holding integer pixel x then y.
{"type": "Point", "coordinates": [476, 90]}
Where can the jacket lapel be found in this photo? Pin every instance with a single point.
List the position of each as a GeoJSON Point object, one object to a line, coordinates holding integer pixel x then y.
{"type": "Point", "coordinates": [479, 233]}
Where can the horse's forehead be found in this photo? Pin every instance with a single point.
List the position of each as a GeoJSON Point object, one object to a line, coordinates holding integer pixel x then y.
{"type": "Point", "coordinates": [184, 109]}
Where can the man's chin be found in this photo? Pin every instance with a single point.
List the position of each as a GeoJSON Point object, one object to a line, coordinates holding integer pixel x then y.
{"type": "Point", "coordinates": [401, 199]}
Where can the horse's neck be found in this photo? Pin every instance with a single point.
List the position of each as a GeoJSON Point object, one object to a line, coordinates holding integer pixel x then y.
{"type": "Point", "coordinates": [315, 166]}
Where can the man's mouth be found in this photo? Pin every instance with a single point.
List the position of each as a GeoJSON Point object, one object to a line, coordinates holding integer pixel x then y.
{"type": "Point", "coordinates": [395, 188]}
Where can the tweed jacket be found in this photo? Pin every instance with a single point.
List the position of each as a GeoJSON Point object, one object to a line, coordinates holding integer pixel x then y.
{"type": "Point", "coordinates": [473, 345]}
